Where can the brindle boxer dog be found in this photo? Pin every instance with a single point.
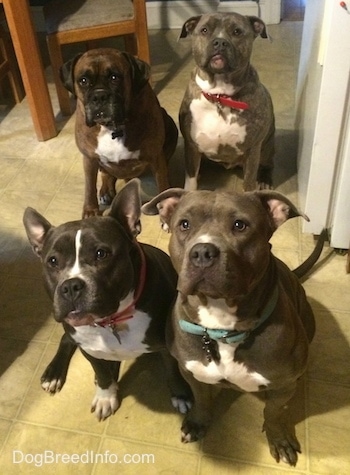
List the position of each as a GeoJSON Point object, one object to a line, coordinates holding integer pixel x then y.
{"type": "Point", "coordinates": [120, 126]}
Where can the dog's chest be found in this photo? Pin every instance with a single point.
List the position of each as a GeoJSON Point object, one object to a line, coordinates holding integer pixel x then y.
{"type": "Point", "coordinates": [227, 370]}
{"type": "Point", "coordinates": [113, 150]}
{"type": "Point", "coordinates": [102, 343]}
{"type": "Point", "coordinates": [211, 128]}
{"type": "Point", "coordinates": [216, 315]}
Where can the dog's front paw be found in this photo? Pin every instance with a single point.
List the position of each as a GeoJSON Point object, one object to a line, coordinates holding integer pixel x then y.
{"type": "Point", "coordinates": [90, 211]}
{"type": "Point", "coordinates": [52, 386]}
{"type": "Point", "coordinates": [283, 446]}
{"type": "Point", "coordinates": [192, 431]}
{"type": "Point", "coordinates": [52, 379]}
{"type": "Point", "coordinates": [181, 404]}
{"type": "Point", "coordinates": [105, 402]}
{"type": "Point", "coordinates": [106, 199]}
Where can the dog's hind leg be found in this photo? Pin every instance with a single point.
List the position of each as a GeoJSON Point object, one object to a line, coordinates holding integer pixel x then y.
{"type": "Point", "coordinates": [196, 422]}
{"type": "Point", "coordinates": [181, 395]}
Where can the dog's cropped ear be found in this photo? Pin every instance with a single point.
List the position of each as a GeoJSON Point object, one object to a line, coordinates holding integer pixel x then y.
{"type": "Point", "coordinates": [126, 207]}
{"type": "Point", "coordinates": [36, 227]}
{"type": "Point", "coordinates": [164, 204]}
{"type": "Point", "coordinates": [279, 207]}
{"type": "Point", "coordinates": [140, 71]}
{"type": "Point", "coordinates": [67, 73]}
{"type": "Point", "coordinates": [258, 26]}
{"type": "Point", "coordinates": [189, 26]}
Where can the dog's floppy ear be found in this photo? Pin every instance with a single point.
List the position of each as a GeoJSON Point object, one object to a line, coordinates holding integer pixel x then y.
{"type": "Point", "coordinates": [279, 207]}
{"type": "Point", "coordinates": [258, 26]}
{"type": "Point", "coordinates": [189, 26]}
{"type": "Point", "coordinates": [36, 227]}
{"type": "Point", "coordinates": [126, 207]}
{"type": "Point", "coordinates": [140, 71]}
{"type": "Point", "coordinates": [67, 73]}
{"type": "Point", "coordinates": [164, 204]}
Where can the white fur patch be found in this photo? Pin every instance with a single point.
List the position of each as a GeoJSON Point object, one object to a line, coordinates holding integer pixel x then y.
{"type": "Point", "coordinates": [113, 150]}
{"type": "Point", "coordinates": [218, 87]}
{"type": "Point", "coordinates": [75, 270]}
{"type": "Point", "coordinates": [217, 315]}
{"type": "Point", "coordinates": [227, 369]}
{"type": "Point", "coordinates": [101, 343]}
{"type": "Point", "coordinates": [105, 402]}
{"type": "Point", "coordinates": [190, 183]}
{"type": "Point", "coordinates": [210, 130]}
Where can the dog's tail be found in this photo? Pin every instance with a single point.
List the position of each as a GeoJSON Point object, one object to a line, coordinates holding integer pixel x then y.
{"type": "Point", "coordinates": [307, 265]}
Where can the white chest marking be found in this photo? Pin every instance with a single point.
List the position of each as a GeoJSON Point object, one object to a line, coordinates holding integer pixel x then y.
{"type": "Point", "coordinates": [218, 87]}
{"type": "Point", "coordinates": [113, 150]}
{"type": "Point", "coordinates": [75, 270]}
{"type": "Point", "coordinates": [216, 315]}
{"type": "Point", "coordinates": [210, 129]}
{"type": "Point", "coordinates": [227, 369]}
{"type": "Point", "coordinates": [101, 343]}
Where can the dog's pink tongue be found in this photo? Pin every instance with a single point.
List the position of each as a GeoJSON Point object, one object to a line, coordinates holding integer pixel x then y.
{"type": "Point", "coordinates": [217, 61]}
{"type": "Point", "coordinates": [76, 320]}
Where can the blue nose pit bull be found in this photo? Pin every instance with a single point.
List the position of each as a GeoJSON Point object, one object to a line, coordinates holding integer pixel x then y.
{"type": "Point", "coordinates": [241, 318]}
{"type": "Point", "coordinates": [226, 113]}
{"type": "Point", "coordinates": [111, 293]}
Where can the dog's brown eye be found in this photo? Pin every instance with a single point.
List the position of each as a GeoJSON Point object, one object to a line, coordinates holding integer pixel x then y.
{"type": "Point", "coordinates": [237, 32]}
{"type": "Point", "coordinates": [239, 225]}
{"type": "Point", "coordinates": [114, 77]}
{"type": "Point", "coordinates": [184, 225]}
{"type": "Point", "coordinates": [83, 81]}
{"type": "Point", "coordinates": [101, 254]}
{"type": "Point", "coordinates": [52, 261]}
{"type": "Point", "coordinates": [204, 30]}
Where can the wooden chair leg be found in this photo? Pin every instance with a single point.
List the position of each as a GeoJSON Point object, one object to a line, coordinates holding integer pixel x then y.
{"type": "Point", "coordinates": [12, 69]}
{"type": "Point", "coordinates": [56, 62]}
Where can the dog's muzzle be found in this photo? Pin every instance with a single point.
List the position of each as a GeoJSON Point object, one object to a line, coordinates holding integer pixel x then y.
{"type": "Point", "coordinates": [104, 108]}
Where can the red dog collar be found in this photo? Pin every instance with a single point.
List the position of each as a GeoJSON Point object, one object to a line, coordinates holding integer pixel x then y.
{"type": "Point", "coordinates": [225, 100]}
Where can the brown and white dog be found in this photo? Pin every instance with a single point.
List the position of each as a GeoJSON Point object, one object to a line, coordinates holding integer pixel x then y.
{"type": "Point", "coordinates": [226, 114]}
{"type": "Point", "coordinates": [241, 318]}
{"type": "Point", "coordinates": [120, 126]}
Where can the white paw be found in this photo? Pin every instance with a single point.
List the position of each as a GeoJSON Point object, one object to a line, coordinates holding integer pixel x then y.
{"type": "Point", "coordinates": [54, 386]}
{"type": "Point", "coordinates": [105, 402]}
{"type": "Point", "coordinates": [181, 405]}
{"type": "Point", "coordinates": [105, 200]}
{"type": "Point", "coordinates": [164, 226]}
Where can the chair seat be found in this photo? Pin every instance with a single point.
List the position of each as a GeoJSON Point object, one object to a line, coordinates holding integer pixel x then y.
{"type": "Point", "coordinates": [63, 15]}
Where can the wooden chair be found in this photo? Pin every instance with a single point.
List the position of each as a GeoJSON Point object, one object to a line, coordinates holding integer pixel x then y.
{"type": "Point", "coordinates": [8, 65]}
{"type": "Point", "coordinates": [74, 21]}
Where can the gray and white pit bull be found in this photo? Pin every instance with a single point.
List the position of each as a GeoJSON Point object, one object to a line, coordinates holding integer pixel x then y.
{"type": "Point", "coordinates": [226, 113]}
{"type": "Point", "coordinates": [241, 318]}
{"type": "Point", "coordinates": [111, 293]}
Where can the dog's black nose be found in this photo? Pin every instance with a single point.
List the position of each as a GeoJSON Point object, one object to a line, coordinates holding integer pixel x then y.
{"type": "Point", "coordinates": [71, 289]}
{"type": "Point", "coordinates": [220, 44]}
{"type": "Point", "coordinates": [203, 254]}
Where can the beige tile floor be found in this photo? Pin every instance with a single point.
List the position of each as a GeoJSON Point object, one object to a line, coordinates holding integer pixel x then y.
{"type": "Point", "coordinates": [49, 177]}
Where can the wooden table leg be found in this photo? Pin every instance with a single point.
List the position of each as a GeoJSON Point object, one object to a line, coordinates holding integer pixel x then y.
{"type": "Point", "coordinates": [26, 47]}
